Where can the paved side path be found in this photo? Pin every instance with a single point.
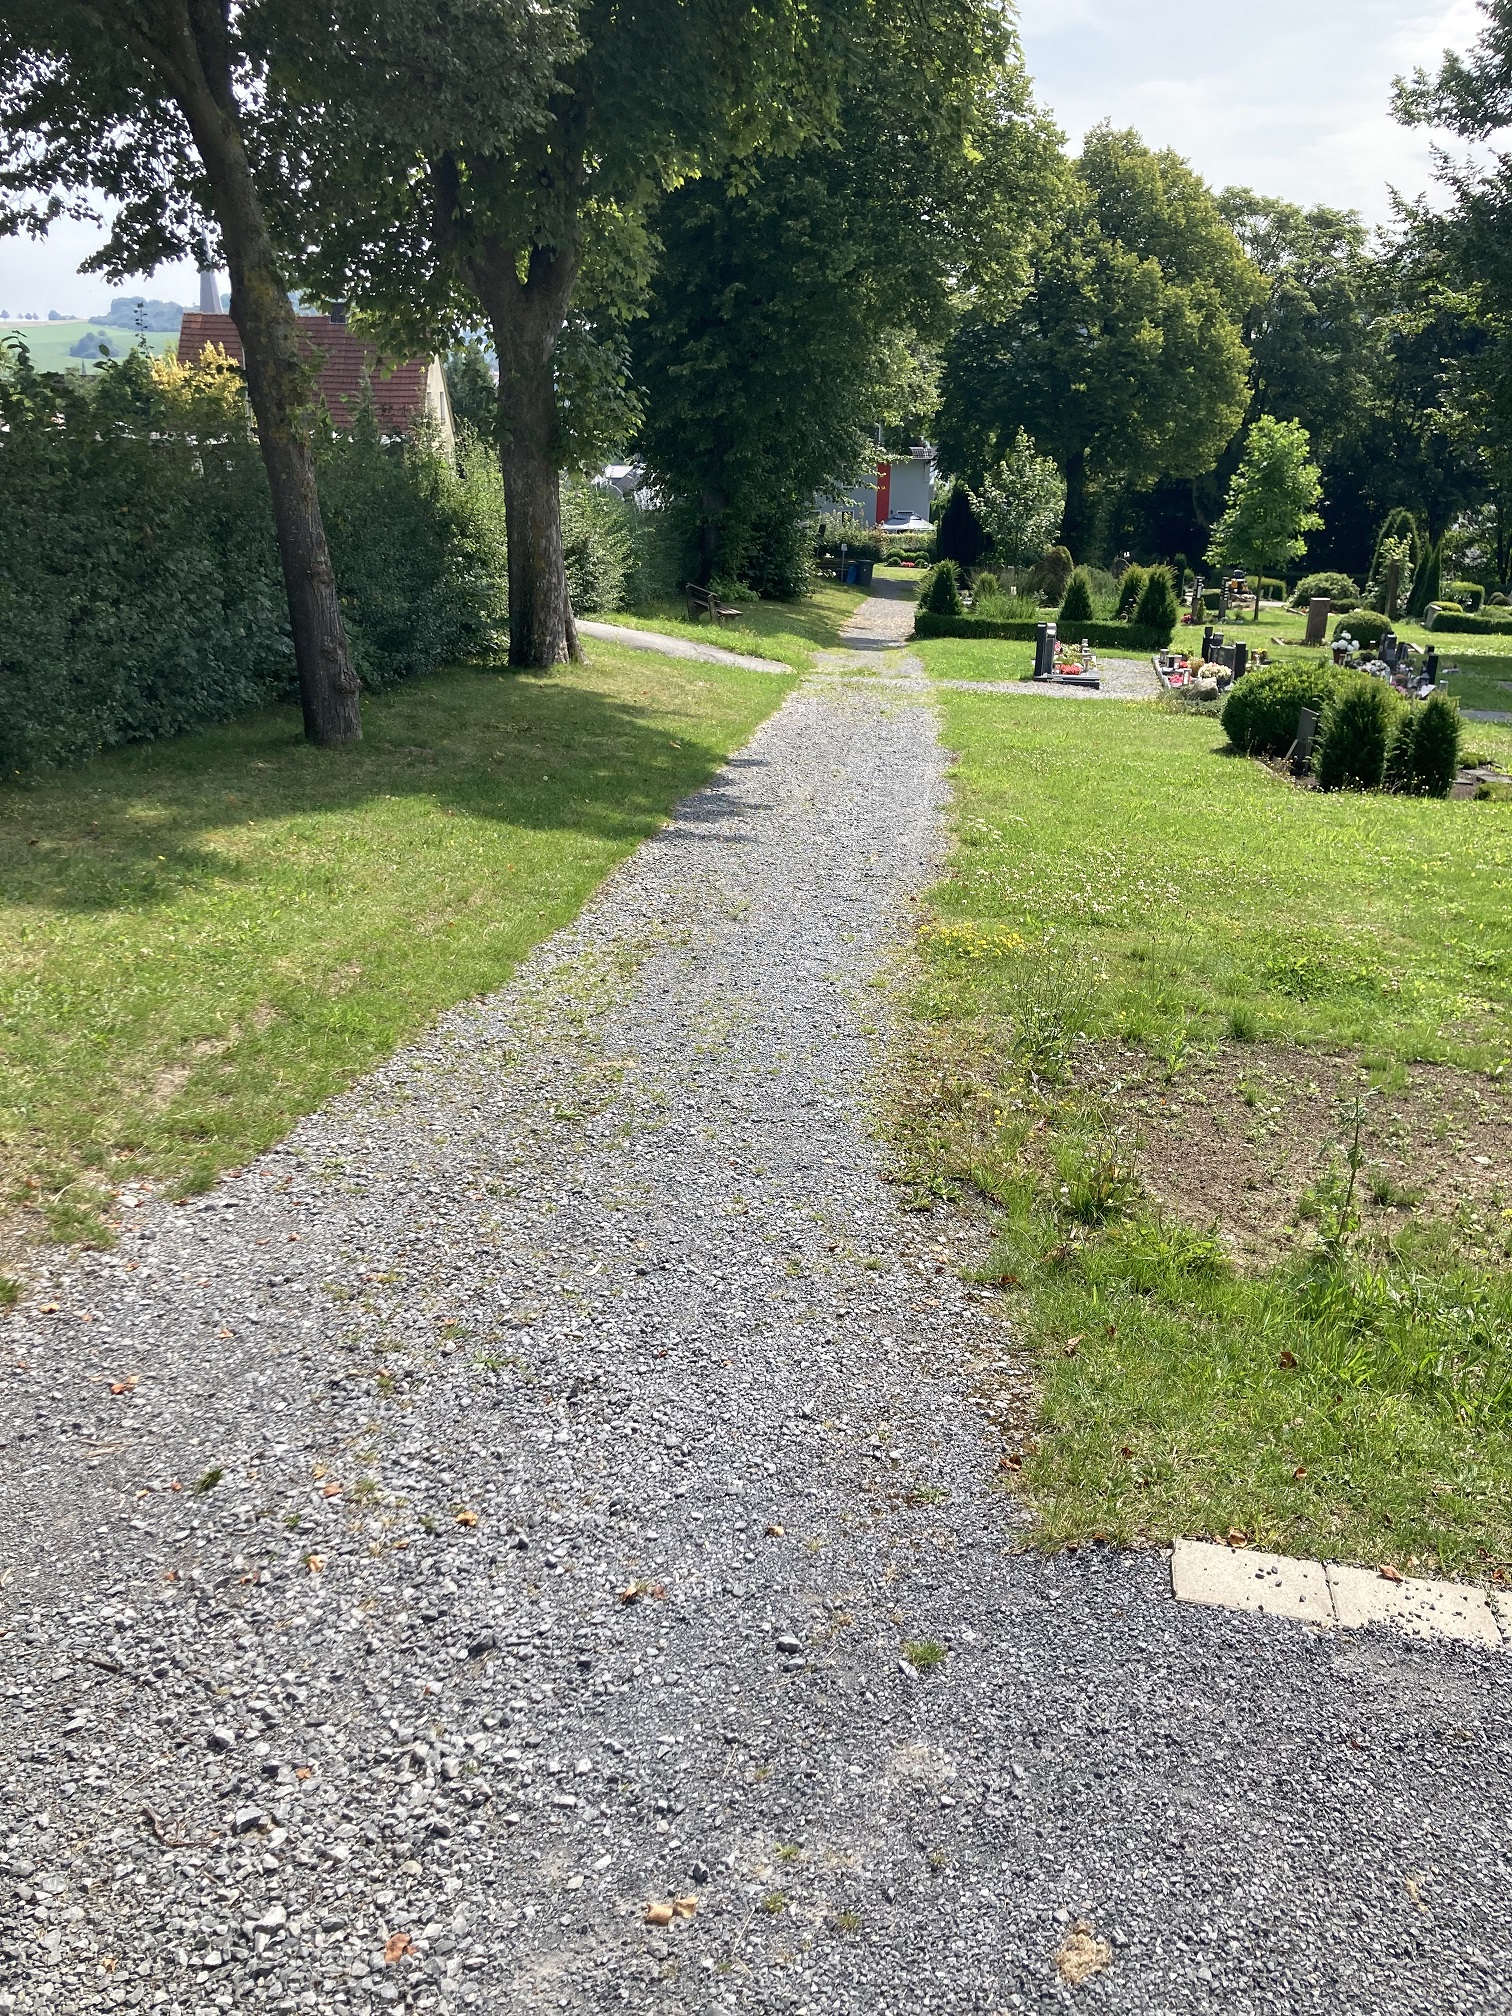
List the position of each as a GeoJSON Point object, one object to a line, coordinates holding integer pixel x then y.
{"type": "Point", "coordinates": [509, 1506]}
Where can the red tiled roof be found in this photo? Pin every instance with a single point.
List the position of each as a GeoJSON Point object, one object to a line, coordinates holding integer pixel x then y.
{"type": "Point", "coordinates": [350, 364]}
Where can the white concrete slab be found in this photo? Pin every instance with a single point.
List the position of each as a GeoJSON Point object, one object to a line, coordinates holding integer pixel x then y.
{"type": "Point", "coordinates": [1234, 1578]}
{"type": "Point", "coordinates": [1421, 1608]}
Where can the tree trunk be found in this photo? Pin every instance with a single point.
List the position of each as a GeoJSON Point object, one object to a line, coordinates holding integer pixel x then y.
{"type": "Point", "coordinates": [527, 317]}
{"type": "Point", "coordinates": [194, 62]}
{"type": "Point", "coordinates": [1073, 522]}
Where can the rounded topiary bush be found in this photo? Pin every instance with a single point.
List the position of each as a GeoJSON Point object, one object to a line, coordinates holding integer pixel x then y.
{"type": "Point", "coordinates": [1353, 733]}
{"type": "Point", "coordinates": [1157, 609]}
{"type": "Point", "coordinates": [1338, 587]}
{"type": "Point", "coordinates": [1077, 607]}
{"type": "Point", "coordinates": [1366, 626]}
{"type": "Point", "coordinates": [1052, 574]}
{"type": "Point", "coordinates": [942, 591]}
{"type": "Point", "coordinates": [1260, 714]}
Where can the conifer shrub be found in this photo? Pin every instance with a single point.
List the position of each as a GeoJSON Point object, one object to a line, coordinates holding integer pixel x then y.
{"type": "Point", "coordinates": [1077, 606]}
{"type": "Point", "coordinates": [1130, 586]}
{"type": "Point", "coordinates": [942, 591]}
{"type": "Point", "coordinates": [1423, 753]}
{"type": "Point", "coordinates": [1353, 733]}
{"type": "Point", "coordinates": [1052, 575]}
{"type": "Point", "coordinates": [1157, 610]}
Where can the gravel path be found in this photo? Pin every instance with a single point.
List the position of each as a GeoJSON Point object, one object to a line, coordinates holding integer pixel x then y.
{"type": "Point", "coordinates": [508, 1505]}
{"type": "Point", "coordinates": [670, 646]}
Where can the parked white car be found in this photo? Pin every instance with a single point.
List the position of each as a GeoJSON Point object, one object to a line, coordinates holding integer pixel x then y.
{"type": "Point", "coordinates": [904, 521]}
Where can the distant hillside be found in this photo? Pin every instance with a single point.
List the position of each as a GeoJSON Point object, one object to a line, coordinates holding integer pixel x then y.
{"type": "Point", "coordinates": [55, 346]}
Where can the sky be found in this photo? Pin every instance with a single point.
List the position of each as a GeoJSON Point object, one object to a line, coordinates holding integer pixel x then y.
{"type": "Point", "coordinates": [1290, 99]}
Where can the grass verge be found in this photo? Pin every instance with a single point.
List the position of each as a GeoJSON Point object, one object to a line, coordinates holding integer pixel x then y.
{"type": "Point", "coordinates": [789, 632]}
{"type": "Point", "coordinates": [203, 938]}
{"type": "Point", "coordinates": [1132, 915]}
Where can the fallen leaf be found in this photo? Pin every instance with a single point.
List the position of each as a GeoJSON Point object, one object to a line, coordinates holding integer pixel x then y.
{"type": "Point", "coordinates": [658, 1914]}
{"type": "Point", "coordinates": [110, 1963]}
{"type": "Point", "coordinates": [124, 1385]}
{"type": "Point", "coordinates": [1126, 1450]}
{"type": "Point", "coordinates": [1072, 1342]}
{"type": "Point", "coordinates": [1111, 1329]}
{"type": "Point", "coordinates": [1008, 1281]}
{"type": "Point", "coordinates": [302, 1772]}
{"type": "Point", "coordinates": [1410, 1884]}
{"type": "Point", "coordinates": [332, 1491]}
{"type": "Point", "coordinates": [1288, 1361]}
{"type": "Point", "coordinates": [775, 1532]}
{"type": "Point", "coordinates": [1390, 1574]}
{"type": "Point", "coordinates": [1013, 1462]}
{"type": "Point", "coordinates": [1300, 1471]}
{"type": "Point", "coordinates": [315, 1563]}
{"type": "Point", "coordinates": [1082, 1954]}
{"type": "Point", "coordinates": [1237, 1537]}
{"type": "Point", "coordinates": [467, 1518]}
{"type": "Point", "coordinates": [685, 1907]}
{"type": "Point", "coordinates": [396, 1946]}
{"type": "Point", "coordinates": [49, 1309]}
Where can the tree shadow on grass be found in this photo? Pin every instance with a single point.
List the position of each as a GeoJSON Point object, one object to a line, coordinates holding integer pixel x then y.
{"type": "Point", "coordinates": [127, 831]}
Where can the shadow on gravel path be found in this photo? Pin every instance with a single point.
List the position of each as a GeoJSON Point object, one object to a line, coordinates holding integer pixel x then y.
{"type": "Point", "coordinates": [531, 1495]}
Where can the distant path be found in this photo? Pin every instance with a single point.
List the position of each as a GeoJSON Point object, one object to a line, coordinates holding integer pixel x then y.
{"type": "Point", "coordinates": [884, 620]}
{"type": "Point", "coordinates": [680, 647]}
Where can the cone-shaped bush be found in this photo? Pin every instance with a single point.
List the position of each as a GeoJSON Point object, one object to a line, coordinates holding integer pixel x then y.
{"type": "Point", "coordinates": [1052, 574]}
{"type": "Point", "coordinates": [1436, 747]}
{"type": "Point", "coordinates": [1157, 609]}
{"type": "Point", "coordinates": [942, 591]}
{"type": "Point", "coordinates": [1077, 607]}
{"type": "Point", "coordinates": [1130, 588]}
{"type": "Point", "coordinates": [1353, 733]}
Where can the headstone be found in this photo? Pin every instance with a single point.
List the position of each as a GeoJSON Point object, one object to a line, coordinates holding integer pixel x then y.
{"type": "Point", "coordinates": [1431, 667]}
{"type": "Point", "coordinates": [1307, 728]}
{"type": "Point", "coordinates": [1207, 642]}
{"type": "Point", "coordinates": [1319, 609]}
{"type": "Point", "coordinates": [1241, 660]}
{"type": "Point", "coordinates": [1044, 650]}
{"type": "Point", "coordinates": [1387, 650]}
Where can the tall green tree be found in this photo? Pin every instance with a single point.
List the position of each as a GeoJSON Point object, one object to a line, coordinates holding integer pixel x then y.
{"type": "Point", "coordinates": [797, 301]}
{"type": "Point", "coordinates": [1124, 359]}
{"type": "Point", "coordinates": [1022, 502]}
{"type": "Point", "coordinates": [1272, 502]}
{"type": "Point", "coordinates": [432, 214]}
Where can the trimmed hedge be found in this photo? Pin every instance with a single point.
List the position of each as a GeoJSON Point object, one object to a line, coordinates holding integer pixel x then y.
{"type": "Point", "coordinates": [1104, 636]}
{"type": "Point", "coordinates": [1468, 625]}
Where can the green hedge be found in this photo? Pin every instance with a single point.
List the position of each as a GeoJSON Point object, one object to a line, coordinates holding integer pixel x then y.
{"type": "Point", "coordinates": [1468, 625]}
{"type": "Point", "coordinates": [1103, 636]}
{"type": "Point", "coordinates": [140, 589]}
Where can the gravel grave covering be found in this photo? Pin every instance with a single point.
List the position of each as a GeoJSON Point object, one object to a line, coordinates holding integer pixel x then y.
{"type": "Point", "coordinates": [534, 1542]}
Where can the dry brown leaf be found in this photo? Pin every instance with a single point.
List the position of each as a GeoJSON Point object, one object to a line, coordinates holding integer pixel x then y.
{"type": "Point", "coordinates": [315, 1563]}
{"type": "Point", "coordinates": [1300, 1471]}
{"type": "Point", "coordinates": [685, 1907]}
{"type": "Point", "coordinates": [1237, 1537]}
{"type": "Point", "coordinates": [1072, 1342]}
{"type": "Point", "coordinates": [658, 1914]}
{"type": "Point", "coordinates": [467, 1518]}
{"type": "Point", "coordinates": [1288, 1361]}
{"type": "Point", "coordinates": [775, 1532]}
{"type": "Point", "coordinates": [1390, 1574]}
{"type": "Point", "coordinates": [1082, 1954]}
{"type": "Point", "coordinates": [332, 1491]}
{"type": "Point", "coordinates": [396, 1946]}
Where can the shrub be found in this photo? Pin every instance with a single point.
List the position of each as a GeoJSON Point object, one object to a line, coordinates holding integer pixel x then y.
{"type": "Point", "coordinates": [1356, 725]}
{"type": "Point", "coordinates": [1423, 754]}
{"type": "Point", "coordinates": [1366, 626]}
{"type": "Point", "coordinates": [1338, 587]}
{"type": "Point", "coordinates": [861, 542]}
{"type": "Point", "coordinates": [1469, 594]}
{"type": "Point", "coordinates": [1131, 583]}
{"type": "Point", "coordinates": [663, 553]}
{"type": "Point", "coordinates": [779, 559]}
{"type": "Point", "coordinates": [1157, 609]}
{"type": "Point", "coordinates": [1051, 575]}
{"type": "Point", "coordinates": [1077, 606]}
{"type": "Point", "coordinates": [1104, 590]}
{"type": "Point", "coordinates": [942, 591]}
{"type": "Point", "coordinates": [1260, 713]}
{"type": "Point", "coordinates": [1493, 621]}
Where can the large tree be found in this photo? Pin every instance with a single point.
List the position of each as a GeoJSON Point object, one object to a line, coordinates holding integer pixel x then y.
{"type": "Point", "coordinates": [166, 107]}
{"type": "Point", "coordinates": [419, 207]}
{"type": "Point", "coordinates": [796, 303]}
{"type": "Point", "coordinates": [1125, 358]}
{"type": "Point", "coordinates": [1272, 502]}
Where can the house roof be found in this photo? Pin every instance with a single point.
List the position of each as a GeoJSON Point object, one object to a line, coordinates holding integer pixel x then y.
{"type": "Point", "coordinates": [402, 394]}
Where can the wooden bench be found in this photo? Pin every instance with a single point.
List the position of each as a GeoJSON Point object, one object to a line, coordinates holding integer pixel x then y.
{"type": "Point", "coordinates": [704, 602]}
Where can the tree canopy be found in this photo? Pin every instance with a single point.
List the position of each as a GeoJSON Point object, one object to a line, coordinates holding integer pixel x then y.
{"type": "Point", "coordinates": [1272, 501]}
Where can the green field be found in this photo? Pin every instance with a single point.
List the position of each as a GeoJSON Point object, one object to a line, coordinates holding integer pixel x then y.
{"type": "Point", "coordinates": [1152, 986]}
{"type": "Point", "coordinates": [201, 939]}
{"type": "Point", "coordinates": [49, 343]}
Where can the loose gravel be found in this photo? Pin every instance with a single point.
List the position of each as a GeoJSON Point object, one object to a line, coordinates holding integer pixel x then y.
{"type": "Point", "coordinates": [561, 1481]}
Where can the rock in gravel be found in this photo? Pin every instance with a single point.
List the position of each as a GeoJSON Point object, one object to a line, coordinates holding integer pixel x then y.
{"type": "Point", "coordinates": [607, 1262]}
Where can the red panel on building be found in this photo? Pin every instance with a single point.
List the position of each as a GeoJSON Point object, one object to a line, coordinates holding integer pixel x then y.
{"type": "Point", "coordinates": [884, 490]}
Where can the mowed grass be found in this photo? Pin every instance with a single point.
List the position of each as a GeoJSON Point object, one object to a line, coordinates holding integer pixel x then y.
{"type": "Point", "coordinates": [49, 343]}
{"type": "Point", "coordinates": [1121, 887]}
{"type": "Point", "coordinates": [201, 939]}
{"type": "Point", "coordinates": [786, 632]}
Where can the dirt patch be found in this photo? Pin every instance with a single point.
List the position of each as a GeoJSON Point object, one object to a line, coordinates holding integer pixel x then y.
{"type": "Point", "coordinates": [1240, 1135]}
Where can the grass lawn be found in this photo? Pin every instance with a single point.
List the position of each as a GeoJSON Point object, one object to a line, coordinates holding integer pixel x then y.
{"type": "Point", "coordinates": [201, 939]}
{"type": "Point", "coordinates": [1153, 987]}
{"type": "Point", "coordinates": [789, 632]}
{"type": "Point", "coordinates": [993, 658]}
{"type": "Point", "coordinates": [50, 342]}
